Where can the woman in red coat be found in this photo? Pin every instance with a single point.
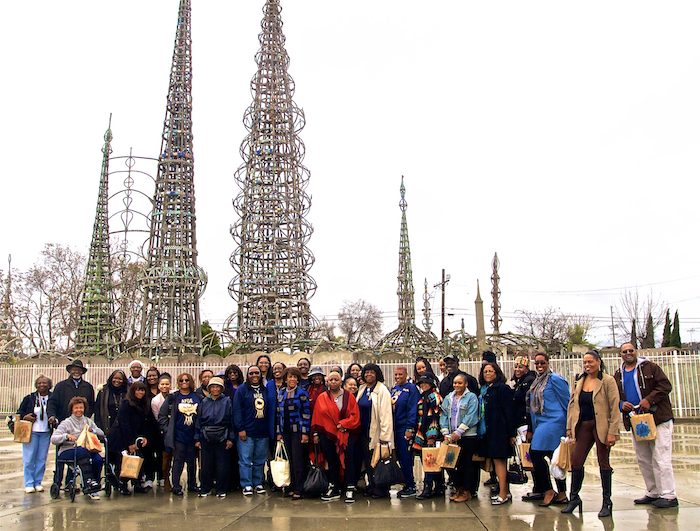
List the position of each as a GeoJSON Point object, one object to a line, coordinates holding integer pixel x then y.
{"type": "Point", "coordinates": [335, 417]}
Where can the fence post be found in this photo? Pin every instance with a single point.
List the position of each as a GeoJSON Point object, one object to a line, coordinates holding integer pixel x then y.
{"type": "Point", "coordinates": [677, 382]}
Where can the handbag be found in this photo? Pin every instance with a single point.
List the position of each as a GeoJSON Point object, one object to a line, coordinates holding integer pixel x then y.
{"type": "Point", "coordinates": [131, 466]}
{"type": "Point", "coordinates": [516, 474]}
{"type": "Point", "coordinates": [215, 434]}
{"type": "Point", "coordinates": [387, 472]}
{"type": "Point", "coordinates": [23, 431]}
{"type": "Point", "coordinates": [279, 466]}
{"type": "Point", "coordinates": [315, 483]}
{"type": "Point", "coordinates": [643, 426]}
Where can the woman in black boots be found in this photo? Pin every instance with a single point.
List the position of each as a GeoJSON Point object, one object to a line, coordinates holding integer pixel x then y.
{"type": "Point", "coordinates": [593, 418]}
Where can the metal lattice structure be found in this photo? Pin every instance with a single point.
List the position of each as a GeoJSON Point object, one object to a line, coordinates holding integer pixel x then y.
{"type": "Point", "coordinates": [272, 284]}
{"type": "Point", "coordinates": [172, 281]}
{"type": "Point", "coordinates": [427, 320]}
{"type": "Point", "coordinates": [96, 328]}
{"type": "Point", "coordinates": [10, 342]}
{"type": "Point", "coordinates": [495, 295]}
{"type": "Point", "coordinates": [407, 339]}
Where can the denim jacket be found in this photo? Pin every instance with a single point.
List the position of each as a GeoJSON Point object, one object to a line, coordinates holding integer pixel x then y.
{"type": "Point", "coordinates": [468, 415]}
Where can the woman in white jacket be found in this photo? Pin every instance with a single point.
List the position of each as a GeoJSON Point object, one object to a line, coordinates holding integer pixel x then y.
{"type": "Point", "coordinates": [376, 423]}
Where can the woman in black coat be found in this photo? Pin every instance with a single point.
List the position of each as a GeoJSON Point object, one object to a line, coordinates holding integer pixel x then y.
{"type": "Point", "coordinates": [109, 399]}
{"type": "Point", "coordinates": [134, 428]}
{"type": "Point", "coordinates": [498, 428]}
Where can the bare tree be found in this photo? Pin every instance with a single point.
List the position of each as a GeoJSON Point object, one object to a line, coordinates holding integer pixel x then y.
{"type": "Point", "coordinates": [128, 301]}
{"type": "Point", "coordinates": [634, 307]}
{"type": "Point", "coordinates": [361, 322]}
{"type": "Point", "coordinates": [47, 300]}
{"type": "Point", "coordinates": [326, 331]}
{"type": "Point", "coordinates": [550, 327]}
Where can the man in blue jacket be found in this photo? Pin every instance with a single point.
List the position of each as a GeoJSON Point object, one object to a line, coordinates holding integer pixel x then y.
{"type": "Point", "coordinates": [253, 417]}
{"type": "Point", "coordinates": [404, 400]}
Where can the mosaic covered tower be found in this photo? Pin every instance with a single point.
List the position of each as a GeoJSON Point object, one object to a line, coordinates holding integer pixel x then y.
{"type": "Point", "coordinates": [96, 326]}
{"type": "Point", "coordinates": [172, 282]}
{"type": "Point", "coordinates": [496, 319]}
{"type": "Point", "coordinates": [407, 338]}
{"type": "Point", "coordinates": [271, 261]}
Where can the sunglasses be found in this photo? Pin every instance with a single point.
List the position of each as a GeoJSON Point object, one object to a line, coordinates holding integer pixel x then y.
{"type": "Point", "coordinates": [253, 374]}
{"type": "Point", "coordinates": [184, 380]}
{"type": "Point", "coordinates": [628, 351]}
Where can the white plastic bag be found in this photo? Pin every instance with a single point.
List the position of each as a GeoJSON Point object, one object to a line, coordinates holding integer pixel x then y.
{"type": "Point", "coordinates": [554, 469]}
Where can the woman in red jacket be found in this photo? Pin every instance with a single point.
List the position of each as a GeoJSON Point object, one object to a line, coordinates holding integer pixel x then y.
{"type": "Point", "coordinates": [335, 417]}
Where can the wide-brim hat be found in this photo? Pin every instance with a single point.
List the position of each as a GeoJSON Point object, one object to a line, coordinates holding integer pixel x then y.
{"type": "Point", "coordinates": [316, 370]}
{"type": "Point", "coordinates": [215, 381]}
{"type": "Point", "coordinates": [78, 364]}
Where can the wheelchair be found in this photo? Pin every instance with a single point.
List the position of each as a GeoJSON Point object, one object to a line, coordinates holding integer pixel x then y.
{"type": "Point", "coordinates": [75, 479]}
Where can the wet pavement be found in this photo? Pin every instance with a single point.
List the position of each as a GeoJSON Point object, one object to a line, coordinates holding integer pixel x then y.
{"type": "Point", "coordinates": [158, 510]}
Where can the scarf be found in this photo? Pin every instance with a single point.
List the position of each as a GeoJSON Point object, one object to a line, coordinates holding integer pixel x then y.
{"type": "Point", "coordinates": [536, 392]}
{"type": "Point", "coordinates": [428, 430]}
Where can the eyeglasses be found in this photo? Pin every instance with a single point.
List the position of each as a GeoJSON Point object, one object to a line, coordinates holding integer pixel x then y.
{"type": "Point", "coordinates": [628, 351]}
{"type": "Point", "coordinates": [254, 373]}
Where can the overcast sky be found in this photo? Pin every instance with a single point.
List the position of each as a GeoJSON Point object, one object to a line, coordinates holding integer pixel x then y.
{"type": "Point", "coordinates": [562, 135]}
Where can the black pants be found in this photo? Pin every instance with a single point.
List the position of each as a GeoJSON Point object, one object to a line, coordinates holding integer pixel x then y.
{"type": "Point", "coordinates": [462, 475]}
{"type": "Point", "coordinates": [541, 481]}
{"type": "Point", "coordinates": [234, 476]}
{"type": "Point", "coordinates": [215, 465]}
{"type": "Point", "coordinates": [353, 460]}
{"type": "Point", "coordinates": [184, 454]}
{"type": "Point", "coordinates": [330, 452]}
{"type": "Point", "coordinates": [297, 461]}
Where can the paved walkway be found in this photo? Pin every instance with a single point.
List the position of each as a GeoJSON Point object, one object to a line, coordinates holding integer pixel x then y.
{"type": "Point", "coordinates": [161, 511]}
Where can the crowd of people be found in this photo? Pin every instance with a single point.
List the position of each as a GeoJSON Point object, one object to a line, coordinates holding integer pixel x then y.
{"type": "Point", "coordinates": [223, 428]}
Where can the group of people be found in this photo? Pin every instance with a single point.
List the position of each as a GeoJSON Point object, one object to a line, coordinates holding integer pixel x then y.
{"type": "Point", "coordinates": [346, 421]}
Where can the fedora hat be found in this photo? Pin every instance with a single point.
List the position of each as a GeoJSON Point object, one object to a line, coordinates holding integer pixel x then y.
{"type": "Point", "coordinates": [78, 364]}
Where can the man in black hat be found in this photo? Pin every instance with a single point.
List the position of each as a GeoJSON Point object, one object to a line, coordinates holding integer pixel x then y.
{"type": "Point", "coordinates": [452, 365]}
{"type": "Point", "coordinates": [57, 407]}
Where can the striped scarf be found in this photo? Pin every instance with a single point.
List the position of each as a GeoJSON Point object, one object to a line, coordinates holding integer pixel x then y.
{"type": "Point", "coordinates": [536, 392]}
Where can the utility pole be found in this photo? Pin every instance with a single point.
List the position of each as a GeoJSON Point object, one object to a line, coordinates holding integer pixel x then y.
{"type": "Point", "coordinates": [441, 285]}
{"type": "Point", "coordinates": [612, 325]}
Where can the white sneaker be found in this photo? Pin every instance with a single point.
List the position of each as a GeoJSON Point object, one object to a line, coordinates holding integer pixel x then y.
{"type": "Point", "coordinates": [94, 496]}
{"type": "Point", "coordinates": [39, 488]}
{"type": "Point", "coordinates": [29, 490]}
{"type": "Point", "coordinates": [161, 483]}
{"type": "Point", "coordinates": [247, 491]}
{"type": "Point", "coordinates": [147, 484]}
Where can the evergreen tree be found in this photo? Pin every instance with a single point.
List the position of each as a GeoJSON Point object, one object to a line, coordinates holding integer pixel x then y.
{"type": "Point", "coordinates": [676, 334]}
{"type": "Point", "coordinates": [211, 342]}
{"type": "Point", "coordinates": [666, 341]}
{"type": "Point", "coordinates": [633, 334]}
{"type": "Point", "coordinates": [648, 339]}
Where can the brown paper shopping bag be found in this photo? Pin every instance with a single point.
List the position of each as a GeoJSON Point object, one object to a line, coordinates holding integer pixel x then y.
{"type": "Point", "coordinates": [524, 455]}
{"type": "Point", "coordinates": [429, 457]}
{"type": "Point", "coordinates": [643, 427]}
{"type": "Point", "coordinates": [131, 466]}
{"type": "Point", "coordinates": [448, 455]}
{"type": "Point", "coordinates": [23, 431]}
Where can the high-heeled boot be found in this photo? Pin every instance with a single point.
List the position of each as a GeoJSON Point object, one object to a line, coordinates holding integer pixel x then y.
{"type": "Point", "coordinates": [606, 480]}
{"type": "Point", "coordinates": [574, 499]}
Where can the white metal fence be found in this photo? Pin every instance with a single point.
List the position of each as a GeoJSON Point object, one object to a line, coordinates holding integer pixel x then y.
{"type": "Point", "coordinates": [681, 367]}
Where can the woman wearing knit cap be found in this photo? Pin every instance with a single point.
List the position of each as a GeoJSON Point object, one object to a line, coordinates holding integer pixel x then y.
{"type": "Point", "coordinates": [336, 416]}
{"type": "Point", "coordinates": [317, 385]}
{"type": "Point", "coordinates": [548, 399]}
{"type": "Point", "coordinates": [214, 437]}
{"type": "Point", "coordinates": [427, 432]}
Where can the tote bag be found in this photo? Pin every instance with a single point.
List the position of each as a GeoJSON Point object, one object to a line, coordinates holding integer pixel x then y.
{"type": "Point", "coordinates": [279, 466]}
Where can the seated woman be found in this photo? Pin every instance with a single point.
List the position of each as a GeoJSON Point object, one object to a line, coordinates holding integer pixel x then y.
{"type": "Point", "coordinates": [135, 430]}
{"type": "Point", "coordinates": [66, 435]}
{"type": "Point", "coordinates": [335, 416]}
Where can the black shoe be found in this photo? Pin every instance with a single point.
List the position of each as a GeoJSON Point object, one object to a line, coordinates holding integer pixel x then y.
{"type": "Point", "coordinates": [645, 500]}
{"type": "Point", "coordinates": [350, 495]}
{"type": "Point", "coordinates": [532, 496]}
{"type": "Point", "coordinates": [331, 494]}
{"type": "Point", "coordinates": [663, 503]}
{"type": "Point", "coordinates": [425, 495]}
{"type": "Point", "coordinates": [178, 492]}
{"type": "Point", "coordinates": [574, 503]}
{"type": "Point", "coordinates": [92, 486]}
{"type": "Point", "coordinates": [491, 481]}
{"type": "Point", "coordinates": [406, 492]}
{"type": "Point", "coordinates": [138, 489]}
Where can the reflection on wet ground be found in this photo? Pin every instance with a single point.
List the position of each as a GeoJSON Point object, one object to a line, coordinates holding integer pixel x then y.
{"type": "Point", "coordinates": [159, 510]}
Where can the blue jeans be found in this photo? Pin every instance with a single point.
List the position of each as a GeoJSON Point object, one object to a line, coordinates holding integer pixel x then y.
{"type": "Point", "coordinates": [85, 458]}
{"type": "Point", "coordinates": [252, 454]}
{"type": "Point", "coordinates": [34, 455]}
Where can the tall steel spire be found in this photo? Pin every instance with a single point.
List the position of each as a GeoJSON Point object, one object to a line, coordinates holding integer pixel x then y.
{"type": "Point", "coordinates": [10, 343]}
{"type": "Point", "coordinates": [495, 295]}
{"type": "Point", "coordinates": [407, 338]}
{"type": "Point", "coordinates": [271, 261]}
{"type": "Point", "coordinates": [172, 281]}
{"type": "Point", "coordinates": [427, 320]}
{"type": "Point", "coordinates": [96, 329]}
